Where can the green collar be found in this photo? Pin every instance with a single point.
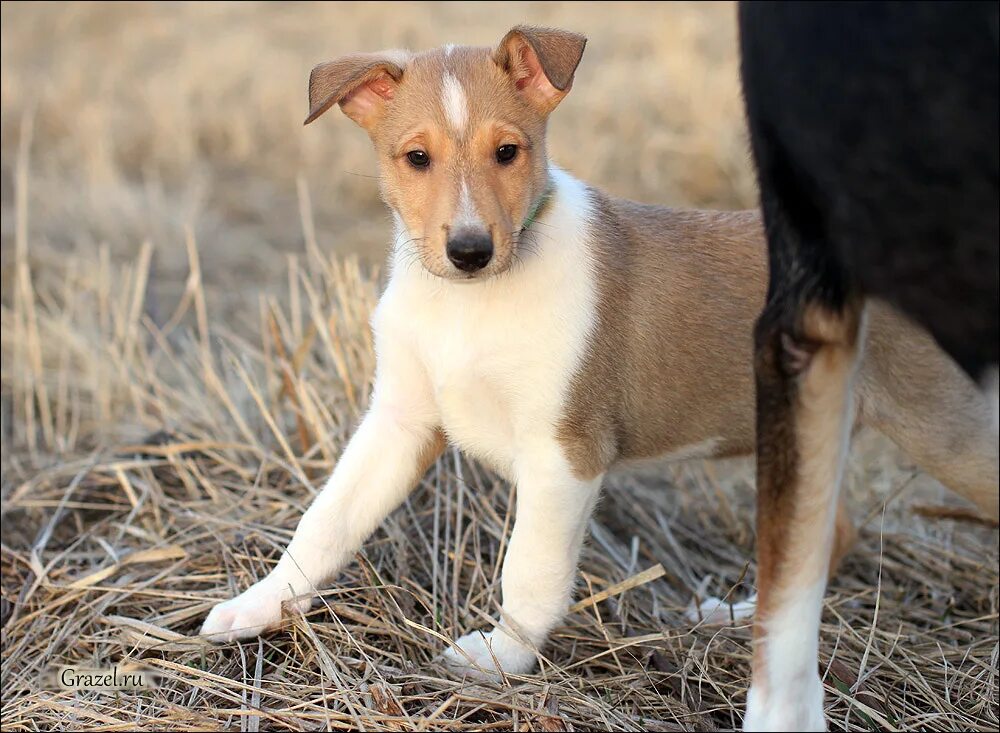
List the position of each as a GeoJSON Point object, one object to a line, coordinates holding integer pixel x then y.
{"type": "Point", "coordinates": [542, 200]}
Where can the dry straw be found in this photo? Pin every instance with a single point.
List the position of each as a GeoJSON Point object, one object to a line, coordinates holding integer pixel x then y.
{"type": "Point", "coordinates": [115, 547]}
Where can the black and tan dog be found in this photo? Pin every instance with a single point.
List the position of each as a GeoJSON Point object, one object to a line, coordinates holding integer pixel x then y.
{"type": "Point", "coordinates": [875, 133]}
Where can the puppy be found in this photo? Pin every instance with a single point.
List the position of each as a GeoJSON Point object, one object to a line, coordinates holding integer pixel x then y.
{"type": "Point", "coordinates": [551, 331]}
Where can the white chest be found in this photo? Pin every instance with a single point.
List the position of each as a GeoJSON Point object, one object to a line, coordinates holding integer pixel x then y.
{"type": "Point", "coordinates": [499, 369]}
{"type": "Point", "coordinates": [499, 355]}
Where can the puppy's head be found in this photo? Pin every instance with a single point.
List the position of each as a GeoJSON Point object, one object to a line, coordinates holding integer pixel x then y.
{"type": "Point", "coordinates": [460, 136]}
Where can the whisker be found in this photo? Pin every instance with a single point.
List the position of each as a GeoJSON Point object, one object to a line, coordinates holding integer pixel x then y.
{"type": "Point", "coordinates": [542, 224]}
{"type": "Point", "coordinates": [362, 175]}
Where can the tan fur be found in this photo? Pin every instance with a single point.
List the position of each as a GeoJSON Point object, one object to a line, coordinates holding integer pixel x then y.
{"type": "Point", "coordinates": [431, 452]}
{"type": "Point", "coordinates": [557, 52]}
{"type": "Point", "coordinates": [806, 518]}
{"type": "Point", "coordinates": [670, 364]}
{"type": "Point", "coordinates": [338, 81]}
{"type": "Point", "coordinates": [799, 481]}
{"type": "Point", "coordinates": [844, 535]}
{"type": "Point", "coordinates": [406, 90]}
{"type": "Point", "coordinates": [919, 398]}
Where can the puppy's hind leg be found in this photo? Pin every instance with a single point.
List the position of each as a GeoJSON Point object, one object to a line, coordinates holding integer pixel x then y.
{"type": "Point", "coordinates": [911, 391]}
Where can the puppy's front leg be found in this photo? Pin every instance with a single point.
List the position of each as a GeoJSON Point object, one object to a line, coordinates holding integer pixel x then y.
{"type": "Point", "coordinates": [553, 508]}
{"type": "Point", "coordinates": [380, 465]}
{"type": "Point", "coordinates": [395, 443]}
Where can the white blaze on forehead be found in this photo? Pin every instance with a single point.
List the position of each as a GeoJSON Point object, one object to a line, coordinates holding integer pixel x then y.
{"type": "Point", "coordinates": [465, 210]}
{"type": "Point", "coordinates": [448, 49]}
{"type": "Point", "coordinates": [454, 103]}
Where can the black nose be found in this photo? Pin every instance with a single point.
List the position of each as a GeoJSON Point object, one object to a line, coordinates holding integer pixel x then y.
{"type": "Point", "coordinates": [470, 251]}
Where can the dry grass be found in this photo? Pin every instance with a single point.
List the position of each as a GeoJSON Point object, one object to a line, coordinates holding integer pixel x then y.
{"type": "Point", "coordinates": [185, 351]}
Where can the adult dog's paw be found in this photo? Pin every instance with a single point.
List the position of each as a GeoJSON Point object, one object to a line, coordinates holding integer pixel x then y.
{"type": "Point", "coordinates": [799, 707]}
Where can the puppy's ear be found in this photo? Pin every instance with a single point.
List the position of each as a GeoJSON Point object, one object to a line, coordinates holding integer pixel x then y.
{"type": "Point", "coordinates": [362, 84]}
{"type": "Point", "coordinates": [541, 62]}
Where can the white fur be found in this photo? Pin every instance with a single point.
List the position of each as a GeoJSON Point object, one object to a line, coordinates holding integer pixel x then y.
{"type": "Point", "coordinates": [456, 107]}
{"type": "Point", "coordinates": [714, 611]}
{"type": "Point", "coordinates": [460, 357]}
{"type": "Point", "coordinates": [365, 486]}
{"type": "Point", "coordinates": [448, 49]}
{"type": "Point", "coordinates": [472, 340]}
{"type": "Point", "coordinates": [553, 508]}
{"type": "Point", "coordinates": [465, 211]}
{"type": "Point", "coordinates": [792, 696]}
{"type": "Point", "coordinates": [503, 409]}
{"type": "Point", "coordinates": [789, 694]}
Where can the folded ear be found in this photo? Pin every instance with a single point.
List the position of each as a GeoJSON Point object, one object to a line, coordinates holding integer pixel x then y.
{"type": "Point", "coordinates": [361, 84]}
{"type": "Point", "coordinates": [541, 62]}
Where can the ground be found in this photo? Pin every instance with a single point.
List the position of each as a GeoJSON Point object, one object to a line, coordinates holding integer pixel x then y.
{"type": "Point", "coordinates": [187, 277]}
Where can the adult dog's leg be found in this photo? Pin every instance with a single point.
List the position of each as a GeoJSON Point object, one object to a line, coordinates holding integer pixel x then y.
{"type": "Point", "coordinates": [805, 362]}
{"type": "Point", "coordinates": [553, 509]}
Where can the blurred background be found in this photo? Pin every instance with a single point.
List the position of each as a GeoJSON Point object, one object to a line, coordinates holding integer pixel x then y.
{"type": "Point", "coordinates": [152, 117]}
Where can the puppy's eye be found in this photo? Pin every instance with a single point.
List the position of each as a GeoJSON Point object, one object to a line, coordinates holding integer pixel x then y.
{"type": "Point", "coordinates": [418, 158]}
{"type": "Point", "coordinates": [506, 153]}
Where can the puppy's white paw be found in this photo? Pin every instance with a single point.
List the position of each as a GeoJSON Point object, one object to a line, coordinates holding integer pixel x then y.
{"type": "Point", "coordinates": [799, 709]}
{"type": "Point", "coordinates": [714, 611]}
{"type": "Point", "coordinates": [255, 610]}
{"type": "Point", "coordinates": [486, 651]}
